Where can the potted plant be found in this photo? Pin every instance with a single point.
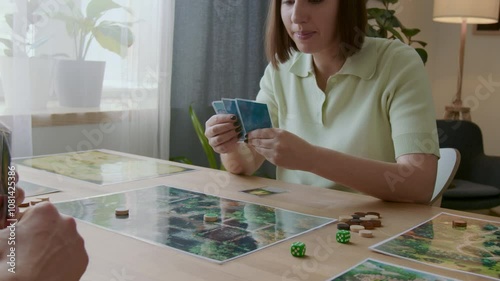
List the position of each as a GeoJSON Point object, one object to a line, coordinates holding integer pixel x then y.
{"type": "Point", "coordinates": [383, 23]}
{"type": "Point", "coordinates": [20, 62]}
{"type": "Point", "coordinates": [79, 81]}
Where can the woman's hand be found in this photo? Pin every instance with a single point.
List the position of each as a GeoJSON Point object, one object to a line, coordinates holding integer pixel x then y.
{"type": "Point", "coordinates": [223, 132]}
{"type": "Point", "coordinates": [282, 148]}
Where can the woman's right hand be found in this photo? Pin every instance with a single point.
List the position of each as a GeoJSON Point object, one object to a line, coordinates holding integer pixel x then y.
{"type": "Point", "coordinates": [223, 132]}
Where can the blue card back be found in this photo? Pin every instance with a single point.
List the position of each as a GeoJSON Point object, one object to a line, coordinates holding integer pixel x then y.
{"type": "Point", "coordinates": [219, 107]}
{"type": "Point", "coordinates": [254, 115]}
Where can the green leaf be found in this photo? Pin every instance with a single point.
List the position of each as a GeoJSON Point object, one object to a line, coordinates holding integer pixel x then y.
{"type": "Point", "coordinates": [200, 132]}
{"type": "Point", "coordinates": [9, 19]}
{"type": "Point", "coordinates": [423, 54]}
{"type": "Point", "coordinates": [410, 32]}
{"type": "Point", "coordinates": [395, 33]}
{"type": "Point", "coordinates": [110, 36]}
{"type": "Point", "coordinates": [96, 8]}
{"type": "Point", "coordinates": [421, 43]}
{"type": "Point", "coordinates": [372, 32]}
{"type": "Point", "coordinates": [374, 12]}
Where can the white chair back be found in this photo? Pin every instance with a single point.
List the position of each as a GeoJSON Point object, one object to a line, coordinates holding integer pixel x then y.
{"type": "Point", "coordinates": [447, 168]}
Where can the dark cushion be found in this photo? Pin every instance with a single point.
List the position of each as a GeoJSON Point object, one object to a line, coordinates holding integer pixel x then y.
{"type": "Point", "coordinates": [466, 189]}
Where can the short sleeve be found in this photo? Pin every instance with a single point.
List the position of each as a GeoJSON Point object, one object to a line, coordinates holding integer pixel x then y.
{"type": "Point", "coordinates": [267, 94]}
{"type": "Point", "coordinates": [410, 106]}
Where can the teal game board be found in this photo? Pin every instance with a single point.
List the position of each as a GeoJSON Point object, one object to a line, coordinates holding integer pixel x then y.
{"type": "Point", "coordinates": [173, 217]}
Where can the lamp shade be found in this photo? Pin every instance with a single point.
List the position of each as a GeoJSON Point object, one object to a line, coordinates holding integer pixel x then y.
{"type": "Point", "coordinates": [473, 11]}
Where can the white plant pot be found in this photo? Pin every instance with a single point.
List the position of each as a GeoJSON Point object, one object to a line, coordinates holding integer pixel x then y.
{"type": "Point", "coordinates": [27, 82]}
{"type": "Point", "coordinates": [79, 83]}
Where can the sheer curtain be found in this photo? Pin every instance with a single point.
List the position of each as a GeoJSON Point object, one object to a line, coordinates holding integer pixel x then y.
{"type": "Point", "coordinates": [54, 105]}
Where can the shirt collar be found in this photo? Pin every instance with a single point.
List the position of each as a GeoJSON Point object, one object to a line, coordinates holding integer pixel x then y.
{"type": "Point", "coordinates": [363, 64]}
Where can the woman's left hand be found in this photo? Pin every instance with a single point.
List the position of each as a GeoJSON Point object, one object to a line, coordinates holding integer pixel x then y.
{"type": "Point", "coordinates": [282, 148]}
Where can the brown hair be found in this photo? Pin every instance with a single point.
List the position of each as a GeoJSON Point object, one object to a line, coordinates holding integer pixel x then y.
{"type": "Point", "coordinates": [351, 25]}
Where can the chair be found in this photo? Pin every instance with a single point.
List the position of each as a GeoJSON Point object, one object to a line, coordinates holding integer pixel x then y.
{"type": "Point", "coordinates": [476, 185]}
{"type": "Point", "coordinates": [447, 167]}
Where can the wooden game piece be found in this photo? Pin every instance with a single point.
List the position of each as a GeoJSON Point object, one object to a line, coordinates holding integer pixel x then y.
{"type": "Point", "coordinates": [121, 212]}
{"type": "Point", "coordinates": [376, 223]}
{"type": "Point", "coordinates": [368, 225]}
{"type": "Point", "coordinates": [343, 226]}
{"type": "Point", "coordinates": [24, 205]}
{"type": "Point", "coordinates": [374, 213]}
{"type": "Point", "coordinates": [354, 222]}
{"type": "Point", "coordinates": [357, 228]}
{"type": "Point", "coordinates": [460, 223]}
{"type": "Point", "coordinates": [365, 233]}
{"type": "Point", "coordinates": [360, 214]}
{"type": "Point", "coordinates": [34, 202]}
{"type": "Point", "coordinates": [345, 218]}
{"type": "Point", "coordinates": [372, 217]}
{"type": "Point", "coordinates": [210, 217]}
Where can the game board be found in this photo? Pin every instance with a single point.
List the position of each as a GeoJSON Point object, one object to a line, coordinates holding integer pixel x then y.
{"type": "Point", "coordinates": [33, 189]}
{"type": "Point", "coordinates": [174, 217]}
{"type": "Point", "coordinates": [371, 269]}
{"type": "Point", "coordinates": [101, 167]}
{"type": "Point", "coordinates": [474, 249]}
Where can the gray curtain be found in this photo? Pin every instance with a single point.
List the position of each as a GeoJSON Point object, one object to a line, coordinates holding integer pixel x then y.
{"type": "Point", "coordinates": [218, 52]}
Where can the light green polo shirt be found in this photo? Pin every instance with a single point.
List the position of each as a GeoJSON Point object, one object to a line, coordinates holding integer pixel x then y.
{"type": "Point", "coordinates": [378, 106]}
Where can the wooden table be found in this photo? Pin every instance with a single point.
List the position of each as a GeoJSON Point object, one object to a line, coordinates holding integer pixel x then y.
{"type": "Point", "coordinates": [121, 258]}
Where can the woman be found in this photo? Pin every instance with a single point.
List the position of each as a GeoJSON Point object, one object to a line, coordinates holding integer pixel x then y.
{"type": "Point", "coordinates": [349, 112]}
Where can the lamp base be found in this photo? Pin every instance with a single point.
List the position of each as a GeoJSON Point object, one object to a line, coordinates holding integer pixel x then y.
{"type": "Point", "coordinates": [453, 112]}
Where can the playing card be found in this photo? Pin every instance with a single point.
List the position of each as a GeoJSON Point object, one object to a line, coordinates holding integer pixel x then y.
{"type": "Point", "coordinates": [253, 115]}
{"type": "Point", "coordinates": [263, 191]}
{"type": "Point", "coordinates": [219, 107]}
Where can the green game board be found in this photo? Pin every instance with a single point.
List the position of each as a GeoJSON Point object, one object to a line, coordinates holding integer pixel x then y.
{"type": "Point", "coordinates": [174, 217]}
{"type": "Point", "coordinates": [101, 167]}
{"type": "Point", "coordinates": [371, 269]}
{"type": "Point", "coordinates": [474, 249]}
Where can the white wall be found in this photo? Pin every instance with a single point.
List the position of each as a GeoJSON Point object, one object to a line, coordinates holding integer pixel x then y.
{"type": "Point", "coordinates": [482, 63]}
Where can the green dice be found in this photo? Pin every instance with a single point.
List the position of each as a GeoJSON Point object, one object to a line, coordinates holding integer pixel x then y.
{"type": "Point", "coordinates": [343, 236]}
{"type": "Point", "coordinates": [298, 249]}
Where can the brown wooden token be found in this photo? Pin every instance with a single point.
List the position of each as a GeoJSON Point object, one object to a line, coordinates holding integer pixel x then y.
{"type": "Point", "coordinates": [24, 205]}
{"type": "Point", "coordinates": [374, 213]}
{"type": "Point", "coordinates": [121, 212]}
{"type": "Point", "coordinates": [459, 223]}
{"type": "Point", "coordinates": [360, 214]}
{"type": "Point", "coordinates": [376, 223]}
{"type": "Point", "coordinates": [368, 225]}
{"type": "Point", "coordinates": [343, 226]}
{"type": "Point", "coordinates": [354, 222]}
{"type": "Point", "coordinates": [34, 202]}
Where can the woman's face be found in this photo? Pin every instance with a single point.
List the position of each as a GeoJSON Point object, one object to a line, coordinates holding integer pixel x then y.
{"type": "Point", "coordinates": [311, 24]}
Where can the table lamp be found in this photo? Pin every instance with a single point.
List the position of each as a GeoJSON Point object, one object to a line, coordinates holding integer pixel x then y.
{"type": "Point", "coordinates": [464, 12]}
